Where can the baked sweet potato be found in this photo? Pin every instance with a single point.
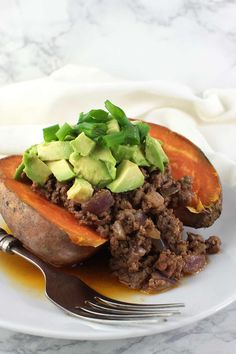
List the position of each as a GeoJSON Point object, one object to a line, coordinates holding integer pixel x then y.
{"type": "Point", "coordinates": [53, 234]}
{"type": "Point", "coordinates": [49, 231]}
{"type": "Point", "coordinates": [186, 159]}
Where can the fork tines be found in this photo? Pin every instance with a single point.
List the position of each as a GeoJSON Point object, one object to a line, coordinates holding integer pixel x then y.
{"type": "Point", "coordinates": [101, 308]}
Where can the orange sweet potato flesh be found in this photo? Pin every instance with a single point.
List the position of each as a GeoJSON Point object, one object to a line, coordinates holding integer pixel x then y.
{"type": "Point", "coordinates": [186, 159]}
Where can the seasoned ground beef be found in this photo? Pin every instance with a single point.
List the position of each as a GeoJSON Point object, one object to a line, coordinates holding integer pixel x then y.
{"type": "Point", "coordinates": [146, 241]}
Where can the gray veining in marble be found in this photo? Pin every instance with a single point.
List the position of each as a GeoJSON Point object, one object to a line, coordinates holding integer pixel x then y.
{"type": "Point", "coordinates": [190, 41]}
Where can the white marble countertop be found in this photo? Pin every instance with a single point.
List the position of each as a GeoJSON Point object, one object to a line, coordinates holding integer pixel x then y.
{"type": "Point", "coordinates": [191, 42]}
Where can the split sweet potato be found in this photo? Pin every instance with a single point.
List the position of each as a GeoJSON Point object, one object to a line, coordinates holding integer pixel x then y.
{"type": "Point", "coordinates": [53, 234]}
{"type": "Point", "coordinates": [49, 231]}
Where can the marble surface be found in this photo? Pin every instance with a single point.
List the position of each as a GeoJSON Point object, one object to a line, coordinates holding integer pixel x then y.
{"type": "Point", "coordinates": [189, 41]}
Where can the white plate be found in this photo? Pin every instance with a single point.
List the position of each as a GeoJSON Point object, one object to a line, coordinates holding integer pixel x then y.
{"type": "Point", "coordinates": [203, 294]}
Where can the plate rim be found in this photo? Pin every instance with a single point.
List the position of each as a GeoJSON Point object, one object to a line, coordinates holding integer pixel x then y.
{"type": "Point", "coordinates": [113, 336]}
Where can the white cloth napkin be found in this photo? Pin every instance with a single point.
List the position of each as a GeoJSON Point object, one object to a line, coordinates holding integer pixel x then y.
{"type": "Point", "coordinates": [209, 119]}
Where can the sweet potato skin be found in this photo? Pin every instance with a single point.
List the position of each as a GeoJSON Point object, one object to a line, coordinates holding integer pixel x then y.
{"type": "Point", "coordinates": [204, 219]}
{"type": "Point", "coordinates": [38, 234]}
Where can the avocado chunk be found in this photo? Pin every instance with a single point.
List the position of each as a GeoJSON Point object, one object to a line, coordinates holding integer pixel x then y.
{"type": "Point", "coordinates": [132, 153]}
{"type": "Point", "coordinates": [81, 191]}
{"type": "Point", "coordinates": [35, 169]}
{"type": "Point", "coordinates": [104, 154]}
{"type": "Point", "coordinates": [55, 150]}
{"type": "Point", "coordinates": [123, 152]}
{"type": "Point", "coordinates": [32, 150]}
{"type": "Point", "coordinates": [19, 171]}
{"type": "Point", "coordinates": [113, 126]}
{"type": "Point", "coordinates": [74, 158]}
{"type": "Point", "coordinates": [138, 157]}
{"type": "Point", "coordinates": [93, 171]}
{"type": "Point", "coordinates": [111, 169]}
{"type": "Point", "coordinates": [155, 154]}
{"type": "Point", "coordinates": [61, 170]}
{"type": "Point", "coordinates": [128, 177]}
{"type": "Point", "coordinates": [83, 145]}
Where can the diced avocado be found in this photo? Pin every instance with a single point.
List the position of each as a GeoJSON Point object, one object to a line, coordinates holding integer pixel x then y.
{"type": "Point", "coordinates": [123, 152]}
{"type": "Point", "coordinates": [154, 153]}
{"type": "Point", "coordinates": [138, 157]}
{"type": "Point", "coordinates": [32, 150]}
{"type": "Point", "coordinates": [113, 126]}
{"type": "Point", "coordinates": [83, 145]}
{"type": "Point", "coordinates": [128, 177]}
{"type": "Point", "coordinates": [133, 153]}
{"type": "Point", "coordinates": [35, 169]}
{"type": "Point", "coordinates": [55, 150]}
{"type": "Point", "coordinates": [111, 169]}
{"type": "Point", "coordinates": [93, 171]}
{"type": "Point", "coordinates": [19, 171]}
{"type": "Point", "coordinates": [103, 154]}
{"type": "Point", "coordinates": [80, 191]}
{"type": "Point", "coordinates": [62, 170]}
{"type": "Point", "coordinates": [74, 158]}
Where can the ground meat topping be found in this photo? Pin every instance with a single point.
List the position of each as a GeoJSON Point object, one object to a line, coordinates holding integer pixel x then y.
{"type": "Point", "coordinates": [153, 200]}
{"type": "Point", "coordinates": [213, 244]}
{"type": "Point", "coordinates": [170, 265]}
{"type": "Point", "coordinates": [146, 241]}
{"type": "Point", "coordinates": [196, 243]}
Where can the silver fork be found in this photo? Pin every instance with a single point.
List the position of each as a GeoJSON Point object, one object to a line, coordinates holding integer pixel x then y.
{"type": "Point", "coordinates": [76, 298]}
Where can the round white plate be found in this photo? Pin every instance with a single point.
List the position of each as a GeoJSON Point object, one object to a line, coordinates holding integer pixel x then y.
{"type": "Point", "coordinates": [203, 294]}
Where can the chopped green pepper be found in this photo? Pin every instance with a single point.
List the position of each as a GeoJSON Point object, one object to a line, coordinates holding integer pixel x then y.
{"type": "Point", "coordinates": [113, 139]}
{"type": "Point", "coordinates": [49, 133]}
{"type": "Point", "coordinates": [65, 130]}
{"type": "Point", "coordinates": [95, 115]}
{"type": "Point", "coordinates": [92, 130]}
{"type": "Point", "coordinates": [117, 113]}
{"type": "Point", "coordinates": [143, 129]}
{"type": "Point", "coordinates": [132, 135]}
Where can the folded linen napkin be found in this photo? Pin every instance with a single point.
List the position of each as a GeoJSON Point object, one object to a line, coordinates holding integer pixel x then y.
{"type": "Point", "coordinates": [208, 120]}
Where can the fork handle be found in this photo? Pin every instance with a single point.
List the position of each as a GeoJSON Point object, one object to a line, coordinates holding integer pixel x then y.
{"type": "Point", "coordinates": [7, 242]}
{"type": "Point", "coordinates": [11, 245]}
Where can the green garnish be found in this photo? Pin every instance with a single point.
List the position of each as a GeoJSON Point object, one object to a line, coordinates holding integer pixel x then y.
{"type": "Point", "coordinates": [64, 131]}
{"type": "Point", "coordinates": [92, 130]}
{"type": "Point", "coordinates": [95, 115]}
{"type": "Point", "coordinates": [113, 139]}
{"type": "Point", "coordinates": [117, 113]}
{"type": "Point", "coordinates": [132, 136]}
{"type": "Point", "coordinates": [49, 133]}
{"type": "Point", "coordinates": [104, 149]}
{"type": "Point", "coordinates": [143, 129]}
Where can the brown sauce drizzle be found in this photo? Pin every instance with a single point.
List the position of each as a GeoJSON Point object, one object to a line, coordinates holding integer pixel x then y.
{"type": "Point", "coordinates": [95, 272]}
